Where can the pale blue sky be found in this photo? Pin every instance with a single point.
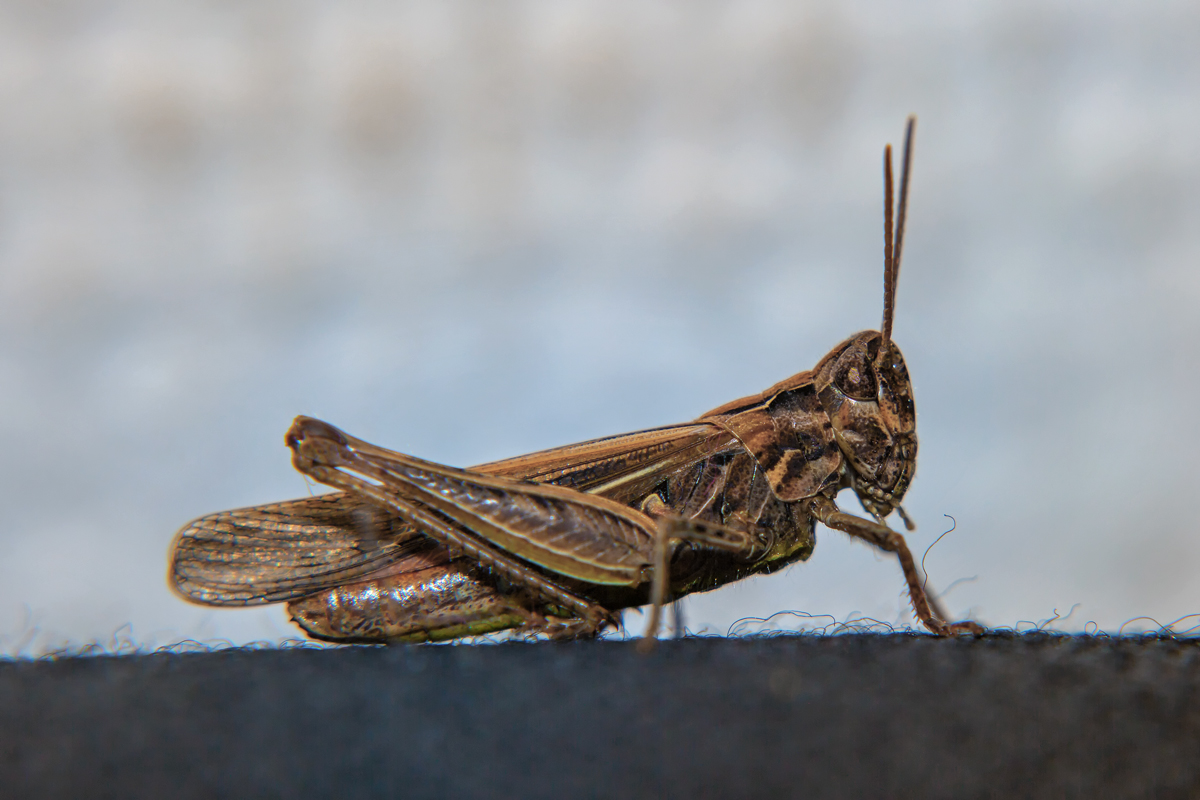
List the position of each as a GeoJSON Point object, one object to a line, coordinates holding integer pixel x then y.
{"type": "Point", "coordinates": [472, 230]}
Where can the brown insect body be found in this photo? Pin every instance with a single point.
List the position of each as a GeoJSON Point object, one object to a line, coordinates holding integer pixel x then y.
{"type": "Point", "coordinates": [554, 542]}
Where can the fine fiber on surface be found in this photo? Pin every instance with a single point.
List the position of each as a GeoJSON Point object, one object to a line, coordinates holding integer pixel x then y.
{"type": "Point", "coordinates": [846, 716]}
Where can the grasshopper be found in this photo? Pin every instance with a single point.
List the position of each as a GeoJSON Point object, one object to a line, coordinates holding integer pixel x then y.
{"type": "Point", "coordinates": [556, 542]}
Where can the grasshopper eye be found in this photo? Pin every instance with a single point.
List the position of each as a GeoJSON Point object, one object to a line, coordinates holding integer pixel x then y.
{"type": "Point", "coordinates": [855, 378]}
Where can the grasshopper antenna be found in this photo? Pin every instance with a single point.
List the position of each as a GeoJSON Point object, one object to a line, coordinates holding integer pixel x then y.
{"type": "Point", "coordinates": [893, 236]}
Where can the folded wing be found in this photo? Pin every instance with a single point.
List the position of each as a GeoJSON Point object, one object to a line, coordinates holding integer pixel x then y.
{"type": "Point", "coordinates": [276, 552]}
{"type": "Point", "coordinates": [282, 551]}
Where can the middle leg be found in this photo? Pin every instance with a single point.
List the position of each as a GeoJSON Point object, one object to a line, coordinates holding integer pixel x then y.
{"type": "Point", "coordinates": [673, 530]}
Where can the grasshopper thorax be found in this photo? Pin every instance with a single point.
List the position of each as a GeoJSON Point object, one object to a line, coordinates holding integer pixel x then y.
{"type": "Point", "coordinates": [869, 400]}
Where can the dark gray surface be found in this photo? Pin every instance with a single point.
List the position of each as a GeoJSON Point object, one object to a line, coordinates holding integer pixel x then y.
{"type": "Point", "coordinates": [847, 716]}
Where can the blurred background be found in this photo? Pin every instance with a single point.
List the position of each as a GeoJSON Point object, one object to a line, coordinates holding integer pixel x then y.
{"type": "Point", "coordinates": [473, 230]}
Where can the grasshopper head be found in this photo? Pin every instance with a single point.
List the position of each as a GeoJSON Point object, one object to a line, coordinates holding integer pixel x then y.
{"type": "Point", "coordinates": [863, 383]}
{"type": "Point", "coordinates": [864, 387]}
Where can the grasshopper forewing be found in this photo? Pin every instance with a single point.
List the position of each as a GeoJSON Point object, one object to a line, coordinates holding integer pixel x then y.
{"type": "Point", "coordinates": [554, 543]}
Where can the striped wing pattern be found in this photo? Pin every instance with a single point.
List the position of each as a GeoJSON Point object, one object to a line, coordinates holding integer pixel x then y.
{"type": "Point", "coordinates": [270, 553]}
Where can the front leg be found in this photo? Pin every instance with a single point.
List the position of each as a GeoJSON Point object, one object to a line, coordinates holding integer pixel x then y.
{"type": "Point", "coordinates": [883, 537]}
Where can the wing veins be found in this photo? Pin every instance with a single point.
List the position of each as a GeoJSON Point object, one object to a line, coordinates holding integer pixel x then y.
{"type": "Point", "coordinates": [273, 563]}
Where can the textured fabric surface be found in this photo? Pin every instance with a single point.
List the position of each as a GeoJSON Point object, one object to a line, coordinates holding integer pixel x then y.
{"type": "Point", "coordinates": [848, 716]}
